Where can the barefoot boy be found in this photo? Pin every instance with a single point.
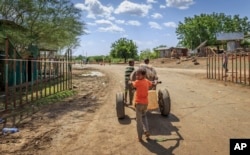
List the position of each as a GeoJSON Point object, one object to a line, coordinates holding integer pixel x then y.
{"type": "Point", "coordinates": [128, 89]}
{"type": "Point", "coordinates": [142, 86]}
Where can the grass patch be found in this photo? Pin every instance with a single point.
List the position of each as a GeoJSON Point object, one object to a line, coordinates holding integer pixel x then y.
{"type": "Point", "coordinates": [55, 97]}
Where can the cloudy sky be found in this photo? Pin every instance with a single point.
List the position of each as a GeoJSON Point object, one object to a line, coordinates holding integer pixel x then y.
{"type": "Point", "coordinates": [149, 23]}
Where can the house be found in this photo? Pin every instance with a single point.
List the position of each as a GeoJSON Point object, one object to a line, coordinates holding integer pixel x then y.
{"type": "Point", "coordinates": [16, 70]}
{"type": "Point", "coordinates": [165, 52]}
{"type": "Point", "coordinates": [232, 39]}
{"type": "Point", "coordinates": [15, 67]}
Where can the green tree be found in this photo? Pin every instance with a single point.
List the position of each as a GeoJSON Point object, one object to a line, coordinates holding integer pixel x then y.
{"type": "Point", "coordinates": [144, 54]}
{"type": "Point", "coordinates": [123, 48]}
{"type": "Point", "coordinates": [49, 24]}
{"type": "Point", "coordinates": [197, 29]}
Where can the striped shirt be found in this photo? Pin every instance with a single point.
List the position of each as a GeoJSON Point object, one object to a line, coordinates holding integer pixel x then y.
{"type": "Point", "coordinates": [128, 71]}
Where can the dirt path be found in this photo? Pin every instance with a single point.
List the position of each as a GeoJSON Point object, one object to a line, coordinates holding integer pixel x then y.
{"type": "Point", "coordinates": [205, 114]}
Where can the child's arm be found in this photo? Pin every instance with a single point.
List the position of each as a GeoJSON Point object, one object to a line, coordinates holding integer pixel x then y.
{"type": "Point", "coordinates": [131, 83]}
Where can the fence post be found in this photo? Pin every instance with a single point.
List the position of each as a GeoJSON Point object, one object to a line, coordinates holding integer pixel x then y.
{"type": "Point", "coordinates": [213, 67]}
{"type": "Point", "coordinates": [66, 67]}
{"type": "Point", "coordinates": [219, 66]}
{"type": "Point", "coordinates": [60, 74]}
{"type": "Point", "coordinates": [49, 76]}
{"type": "Point", "coordinates": [249, 69]}
{"type": "Point", "coordinates": [37, 88]}
{"type": "Point", "coordinates": [232, 68]}
{"type": "Point", "coordinates": [32, 79]}
{"type": "Point", "coordinates": [21, 82]}
{"type": "Point", "coordinates": [208, 66]}
{"type": "Point", "coordinates": [6, 72]}
{"type": "Point", "coordinates": [236, 67]}
{"type": "Point", "coordinates": [26, 83]}
{"type": "Point", "coordinates": [14, 84]}
{"type": "Point", "coordinates": [71, 76]}
{"type": "Point", "coordinates": [240, 68]}
{"type": "Point", "coordinates": [245, 81]}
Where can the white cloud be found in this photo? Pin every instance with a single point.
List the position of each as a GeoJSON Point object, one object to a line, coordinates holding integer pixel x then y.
{"type": "Point", "coordinates": [103, 22]}
{"type": "Point", "coordinates": [108, 26]}
{"type": "Point", "coordinates": [170, 24]}
{"type": "Point", "coordinates": [133, 8]}
{"type": "Point", "coordinates": [87, 31]}
{"type": "Point", "coordinates": [162, 6]}
{"type": "Point", "coordinates": [111, 18]}
{"type": "Point", "coordinates": [151, 1]}
{"type": "Point", "coordinates": [154, 25]}
{"type": "Point", "coordinates": [91, 24]}
{"type": "Point", "coordinates": [180, 4]}
{"type": "Point", "coordinates": [112, 28]}
{"type": "Point", "coordinates": [95, 8]}
{"type": "Point", "coordinates": [80, 6]}
{"type": "Point", "coordinates": [130, 22]}
{"type": "Point", "coordinates": [120, 21]}
{"type": "Point", "coordinates": [156, 15]}
{"type": "Point", "coordinates": [134, 23]}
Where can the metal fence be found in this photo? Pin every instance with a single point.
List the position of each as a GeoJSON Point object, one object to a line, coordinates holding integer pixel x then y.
{"type": "Point", "coordinates": [238, 66]}
{"type": "Point", "coordinates": [26, 81]}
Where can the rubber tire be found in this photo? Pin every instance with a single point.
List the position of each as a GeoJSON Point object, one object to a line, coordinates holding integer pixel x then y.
{"type": "Point", "coordinates": [164, 102]}
{"type": "Point", "coordinates": [120, 109]}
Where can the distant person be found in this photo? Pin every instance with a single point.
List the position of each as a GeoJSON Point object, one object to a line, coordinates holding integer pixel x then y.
{"type": "Point", "coordinates": [225, 61]}
{"type": "Point", "coordinates": [128, 88]}
{"type": "Point", "coordinates": [146, 61]}
{"type": "Point", "coordinates": [142, 86]}
{"type": "Point", "coordinates": [151, 73]}
{"type": "Point", "coordinates": [87, 61]}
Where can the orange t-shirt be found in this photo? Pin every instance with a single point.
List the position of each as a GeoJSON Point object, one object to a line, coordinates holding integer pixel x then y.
{"type": "Point", "coordinates": [142, 87]}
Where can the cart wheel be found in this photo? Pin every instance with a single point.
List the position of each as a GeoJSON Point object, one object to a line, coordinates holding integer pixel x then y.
{"type": "Point", "coordinates": [164, 102]}
{"type": "Point", "coordinates": [120, 105]}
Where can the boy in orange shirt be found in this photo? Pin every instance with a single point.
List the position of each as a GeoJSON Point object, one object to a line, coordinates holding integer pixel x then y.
{"type": "Point", "coordinates": [142, 86]}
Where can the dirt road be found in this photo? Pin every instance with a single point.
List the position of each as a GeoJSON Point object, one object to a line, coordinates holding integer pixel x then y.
{"type": "Point", "coordinates": [205, 114]}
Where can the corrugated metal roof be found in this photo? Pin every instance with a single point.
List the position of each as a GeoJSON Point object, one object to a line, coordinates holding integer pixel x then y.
{"type": "Point", "coordinates": [168, 48]}
{"type": "Point", "coordinates": [230, 36]}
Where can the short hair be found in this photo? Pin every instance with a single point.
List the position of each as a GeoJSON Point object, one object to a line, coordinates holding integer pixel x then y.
{"type": "Point", "coordinates": [141, 70]}
{"type": "Point", "coordinates": [131, 61]}
{"type": "Point", "coordinates": [146, 60]}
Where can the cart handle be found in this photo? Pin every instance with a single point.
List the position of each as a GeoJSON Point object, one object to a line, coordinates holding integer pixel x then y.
{"type": "Point", "coordinates": [158, 82]}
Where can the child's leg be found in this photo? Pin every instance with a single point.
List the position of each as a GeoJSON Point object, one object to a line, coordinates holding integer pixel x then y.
{"type": "Point", "coordinates": [145, 122]}
{"type": "Point", "coordinates": [139, 123]}
{"type": "Point", "coordinates": [145, 119]}
{"type": "Point", "coordinates": [126, 91]}
{"type": "Point", "coordinates": [131, 95]}
{"type": "Point", "coordinates": [125, 95]}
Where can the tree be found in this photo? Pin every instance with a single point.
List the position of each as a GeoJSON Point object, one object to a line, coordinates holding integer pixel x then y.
{"type": "Point", "coordinates": [146, 54]}
{"type": "Point", "coordinates": [197, 29]}
{"type": "Point", "coordinates": [123, 48]}
{"type": "Point", "coordinates": [50, 24]}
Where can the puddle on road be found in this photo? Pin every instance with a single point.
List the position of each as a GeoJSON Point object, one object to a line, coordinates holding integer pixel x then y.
{"type": "Point", "coordinates": [93, 73]}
